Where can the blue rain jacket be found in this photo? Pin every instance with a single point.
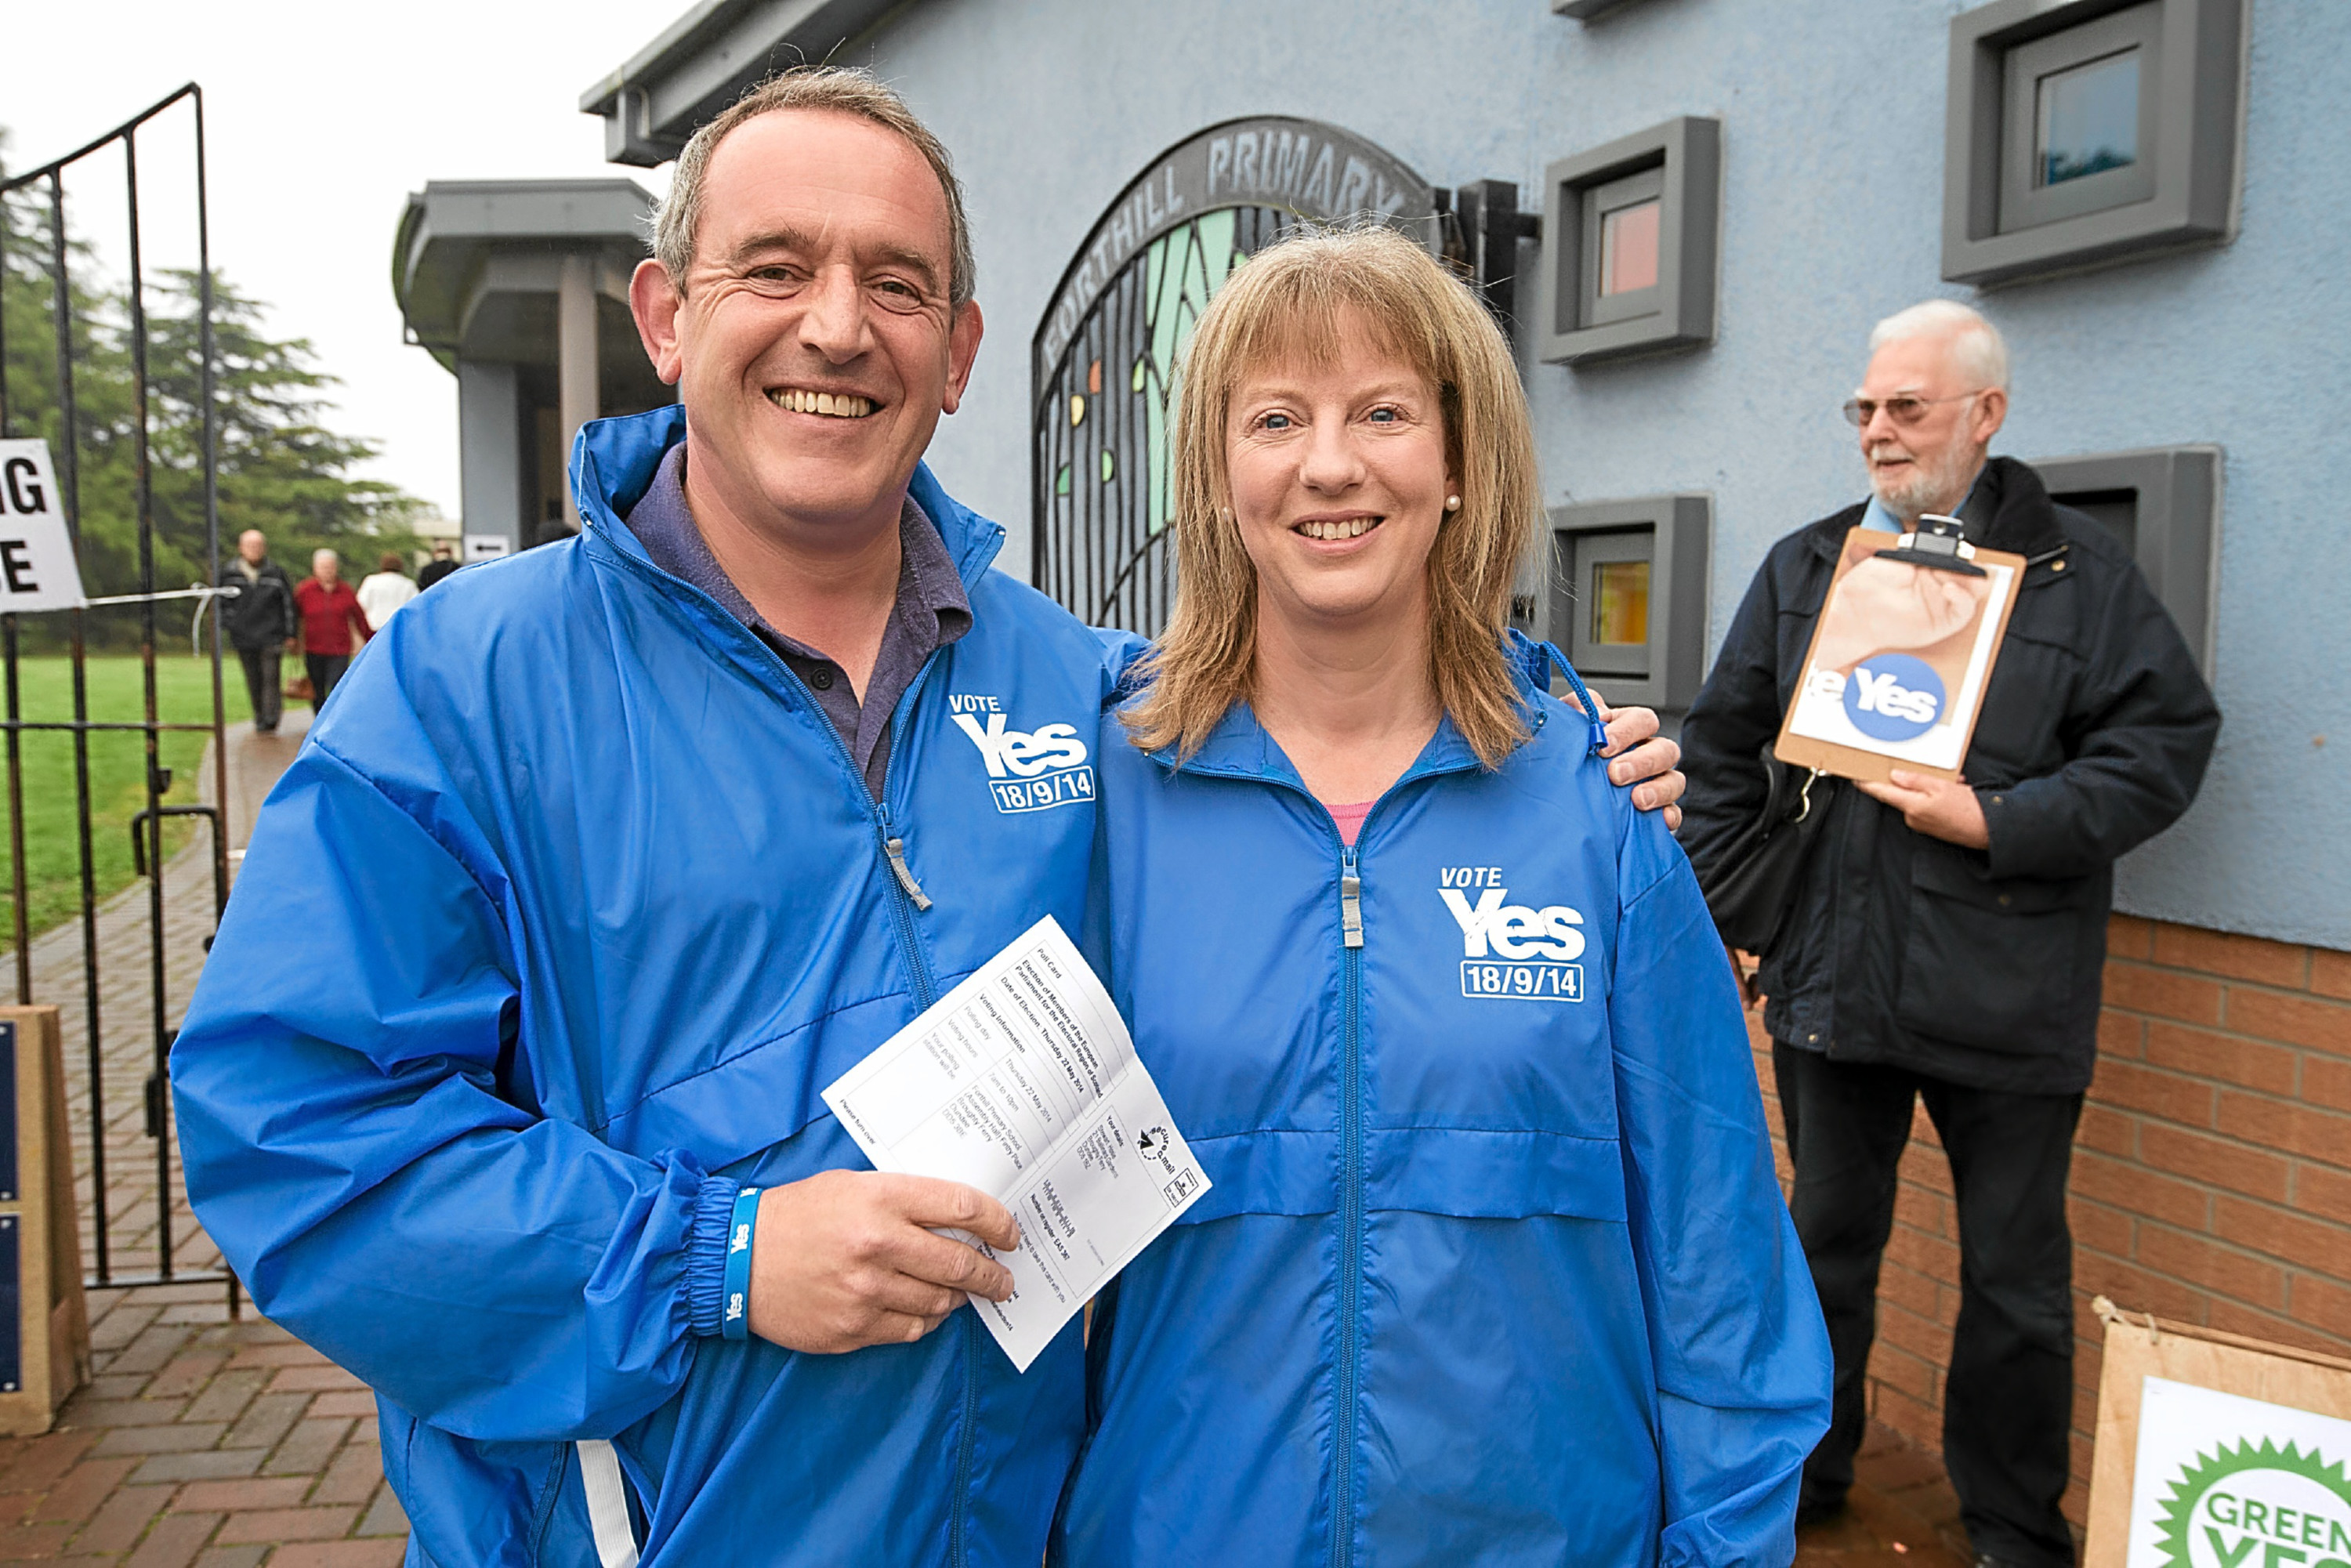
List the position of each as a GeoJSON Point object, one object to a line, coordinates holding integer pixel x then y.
{"type": "Point", "coordinates": [549, 939]}
{"type": "Point", "coordinates": [1494, 1269]}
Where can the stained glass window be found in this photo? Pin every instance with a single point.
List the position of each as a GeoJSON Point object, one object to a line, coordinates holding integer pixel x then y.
{"type": "Point", "coordinates": [1628, 248]}
{"type": "Point", "coordinates": [1620, 602]}
{"type": "Point", "coordinates": [1101, 548]}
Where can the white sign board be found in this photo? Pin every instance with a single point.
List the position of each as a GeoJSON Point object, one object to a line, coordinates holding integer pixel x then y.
{"type": "Point", "coordinates": [2224, 1481]}
{"type": "Point", "coordinates": [36, 556]}
{"type": "Point", "coordinates": [484, 547]}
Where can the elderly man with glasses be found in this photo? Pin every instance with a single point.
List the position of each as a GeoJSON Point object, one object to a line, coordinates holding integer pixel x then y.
{"type": "Point", "coordinates": [1944, 939]}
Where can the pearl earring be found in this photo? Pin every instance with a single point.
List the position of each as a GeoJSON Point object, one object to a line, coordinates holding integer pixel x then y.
{"type": "Point", "coordinates": [1452, 503]}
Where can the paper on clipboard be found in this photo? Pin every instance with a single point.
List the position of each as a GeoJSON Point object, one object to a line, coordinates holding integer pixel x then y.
{"type": "Point", "coordinates": [1023, 1082]}
{"type": "Point", "coordinates": [1900, 660]}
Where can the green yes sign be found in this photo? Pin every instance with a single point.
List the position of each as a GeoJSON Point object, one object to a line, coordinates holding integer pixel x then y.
{"type": "Point", "coordinates": [2224, 1481]}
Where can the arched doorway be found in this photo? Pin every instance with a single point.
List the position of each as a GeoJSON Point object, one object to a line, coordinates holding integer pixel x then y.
{"type": "Point", "coordinates": [1106, 354]}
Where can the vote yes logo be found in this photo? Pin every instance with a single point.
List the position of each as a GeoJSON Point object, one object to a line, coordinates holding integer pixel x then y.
{"type": "Point", "coordinates": [1027, 770]}
{"type": "Point", "coordinates": [1893, 697]}
{"type": "Point", "coordinates": [1522, 951]}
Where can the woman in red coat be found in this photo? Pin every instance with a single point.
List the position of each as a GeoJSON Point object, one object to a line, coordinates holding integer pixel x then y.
{"type": "Point", "coordinates": [333, 624]}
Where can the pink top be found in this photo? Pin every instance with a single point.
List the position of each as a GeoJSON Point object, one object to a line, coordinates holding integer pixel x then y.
{"type": "Point", "coordinates": [1350, 819]}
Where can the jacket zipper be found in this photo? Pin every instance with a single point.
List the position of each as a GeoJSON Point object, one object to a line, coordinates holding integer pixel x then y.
{"type": "Point", "coordinates": [1351, 1202]}
{"type": "Point", "coordinates": [1351, 1140]}
{"type": "Point", "coordinates": [908, 898]}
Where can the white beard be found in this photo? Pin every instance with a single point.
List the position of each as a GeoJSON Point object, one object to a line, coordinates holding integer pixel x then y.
{"type": "Point", "coordinates": [1930, 487]}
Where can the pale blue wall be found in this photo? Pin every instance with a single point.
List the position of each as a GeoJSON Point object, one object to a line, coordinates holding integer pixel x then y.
{"type": "Point", "coordinates": [1832, 138]}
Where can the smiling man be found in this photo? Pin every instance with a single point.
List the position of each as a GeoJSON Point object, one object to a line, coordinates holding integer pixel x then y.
{"type": "Point", "coordinates": [618, 852]}
{"type": "Point", "coordinates": [1945, 939]}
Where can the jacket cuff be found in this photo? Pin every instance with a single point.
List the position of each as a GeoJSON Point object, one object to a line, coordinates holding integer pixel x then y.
{"type": "Point", "coordinates": [705, 1254]}
{"type": "Point", "coordinates": [2016, 828]}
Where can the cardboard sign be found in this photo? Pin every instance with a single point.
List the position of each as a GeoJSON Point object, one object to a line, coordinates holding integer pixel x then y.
{"type": "Point", "coordinates": [36, 556]}
{"type": "Point", "coordinates": [1900, 657]}
{"type": "Point", "coordinates": [2217, 1451]}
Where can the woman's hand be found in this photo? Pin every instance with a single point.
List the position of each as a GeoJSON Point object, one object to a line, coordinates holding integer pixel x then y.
{"type": "Point", "coordinates": [1643, 757]}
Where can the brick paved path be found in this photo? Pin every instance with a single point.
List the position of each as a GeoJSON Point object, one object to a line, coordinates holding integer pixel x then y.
{"type": "Point", "coordinates": [125, 1013]}
{"type": "Point", "coordinates": [201, 1441]}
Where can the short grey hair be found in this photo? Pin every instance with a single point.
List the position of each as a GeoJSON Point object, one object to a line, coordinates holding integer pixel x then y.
{"type": "Point", "coordinates": [1976, 343]}
{"type": "Point", "coordinates": [843, 90]}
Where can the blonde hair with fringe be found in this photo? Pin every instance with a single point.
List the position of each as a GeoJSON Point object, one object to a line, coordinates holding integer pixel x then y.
{"type": "Point", "coordinates": [1294, 299]}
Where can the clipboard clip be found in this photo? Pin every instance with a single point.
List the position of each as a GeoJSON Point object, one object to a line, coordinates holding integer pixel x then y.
{"type": "Point", "coordinates": [1938, 544]}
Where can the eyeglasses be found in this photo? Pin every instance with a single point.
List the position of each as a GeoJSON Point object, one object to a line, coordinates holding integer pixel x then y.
{"type": "Point", "coordinates": [1903, 410]}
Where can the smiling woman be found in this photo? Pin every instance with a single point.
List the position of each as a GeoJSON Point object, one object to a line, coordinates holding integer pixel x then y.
{"type": "Point", "coordinates": [1494, 1251]}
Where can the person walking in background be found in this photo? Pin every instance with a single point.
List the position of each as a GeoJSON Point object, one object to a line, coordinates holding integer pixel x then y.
{"type": "Point", "coordinates": [442, 563]}
{"type": "Point", "coordinates": [1946, 938]}
{"type": "Point", "coordinates": [333, 624]}
{"type": "Point", "coordinates": [259, 621]}
{"type": "Point", "coordinates": [385, 590]}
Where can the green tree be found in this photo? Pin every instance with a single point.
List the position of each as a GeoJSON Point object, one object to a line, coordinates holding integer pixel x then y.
{"type": "Point", "coordinates": [281, 467]}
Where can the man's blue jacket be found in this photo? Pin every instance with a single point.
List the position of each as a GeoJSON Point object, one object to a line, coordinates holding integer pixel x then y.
{"type": "Point", "coordinates": [1494, 1269]}
{"type": "Point", "coordinates": [549, 939]}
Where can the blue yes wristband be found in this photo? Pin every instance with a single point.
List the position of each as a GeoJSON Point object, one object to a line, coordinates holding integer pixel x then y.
{"type": "Point", "coordinates": [735, 1321]}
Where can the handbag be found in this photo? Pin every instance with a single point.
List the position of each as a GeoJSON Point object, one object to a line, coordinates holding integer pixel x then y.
{"type": "Point", "coordinates": [1750, 886]}
{"type": "Point", "coordinates": [299, 689]}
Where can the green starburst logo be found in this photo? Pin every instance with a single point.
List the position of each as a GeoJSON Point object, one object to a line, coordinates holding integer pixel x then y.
{"type": "Point", "coordinates": [2250, 1505]}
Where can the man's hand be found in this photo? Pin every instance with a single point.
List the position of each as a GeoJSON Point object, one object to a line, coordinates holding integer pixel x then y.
{"type": "Point", "coordinates": [1642, 754]}
{"type": "Point", "coordinates": [1943, 808]}
{"type": "Point", "coordinates": [848, 1259]}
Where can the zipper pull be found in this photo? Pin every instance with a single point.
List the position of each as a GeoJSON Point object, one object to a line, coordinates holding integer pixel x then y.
{"type": "Point", "coordinates": [896, 850]}
{"type": "Point", "coordinates": [1351, 901]}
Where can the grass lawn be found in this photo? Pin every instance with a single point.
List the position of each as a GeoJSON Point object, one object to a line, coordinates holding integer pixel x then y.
{"type": "Point", "coordinates": [183, 694]}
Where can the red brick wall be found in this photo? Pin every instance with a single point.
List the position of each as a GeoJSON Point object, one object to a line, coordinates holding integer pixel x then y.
{"type": "Point", "coordinates": [2211, 1174]}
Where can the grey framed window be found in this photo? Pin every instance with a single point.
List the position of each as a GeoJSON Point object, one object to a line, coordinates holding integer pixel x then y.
{"type": "Point", "coordinates": [1623, 221]}
{"type": "Point", "coordinates": [2163, 503]}
{"type": "Point", "coordinates": [1629, 244]}
{"type": "Point", "coordinates": [1624, 595]}
{"type": "Point", "coordinates": [2088, 131]}
{"type": "Point", "coordinates": [2079, 132]}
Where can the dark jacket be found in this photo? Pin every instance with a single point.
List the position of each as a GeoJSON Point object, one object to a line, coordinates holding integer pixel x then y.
{"type": "Point", "coordinates": [1975, 967]}
{"type": "Point", "coordinates": [262, 613]}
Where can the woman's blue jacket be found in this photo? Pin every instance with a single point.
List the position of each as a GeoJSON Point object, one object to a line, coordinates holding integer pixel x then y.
{"type": "Point", "coordinates": [1494, 1269]}
{"type": "Point", "coordinates": [568, 908]}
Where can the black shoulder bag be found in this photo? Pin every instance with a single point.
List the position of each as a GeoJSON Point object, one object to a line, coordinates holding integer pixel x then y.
{"type": "Point", "coordinates": [1750, 885]}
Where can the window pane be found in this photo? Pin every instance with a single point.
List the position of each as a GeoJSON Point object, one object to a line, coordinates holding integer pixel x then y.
{"type": "Point", "coordinates": [1620, 602]}
{"type": "Point", "coordinates": [1628, 248]}
{"type": "Point", "coordinates": [2088, 120]}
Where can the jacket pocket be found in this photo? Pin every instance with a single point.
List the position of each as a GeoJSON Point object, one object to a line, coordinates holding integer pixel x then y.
{"type": "Point", "coordinates": [1988, 962]}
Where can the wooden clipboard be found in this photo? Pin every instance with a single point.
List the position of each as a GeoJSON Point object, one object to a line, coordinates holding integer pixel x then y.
{"type": "Point", "coordinates": [1878, 623]}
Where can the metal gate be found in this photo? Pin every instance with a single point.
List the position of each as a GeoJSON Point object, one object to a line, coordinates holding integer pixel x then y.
{"type": "Point", "coordinates": [1103, 361]}
{"type": "Point", "coordinates": [46, 186]}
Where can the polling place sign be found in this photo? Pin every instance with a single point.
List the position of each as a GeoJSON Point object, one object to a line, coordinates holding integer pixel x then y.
{"type": "Point", "coordinates": [37, 555]}
{"type": "Point", "coordinates": [2217, 1451]}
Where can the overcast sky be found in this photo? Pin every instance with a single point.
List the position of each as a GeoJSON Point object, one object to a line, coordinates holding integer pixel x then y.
{"type": "Point", "coordinates": [320, 120]}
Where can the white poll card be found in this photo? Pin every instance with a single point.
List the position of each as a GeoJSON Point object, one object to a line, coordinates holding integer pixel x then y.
{"type": "Point", "coordinates": [1023, 1082]}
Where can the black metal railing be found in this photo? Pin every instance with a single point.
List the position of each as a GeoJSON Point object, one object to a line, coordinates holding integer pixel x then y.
{"type": "Point", "coordinates": [146, 826]}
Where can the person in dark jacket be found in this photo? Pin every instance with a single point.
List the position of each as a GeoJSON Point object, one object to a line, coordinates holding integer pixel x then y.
{"type": "Point", "coordinates": [1946, 938]}
{"type": "Point", "coordinates": [442, 563]}
{"type": "Point", "coordinates": [260, 621]}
